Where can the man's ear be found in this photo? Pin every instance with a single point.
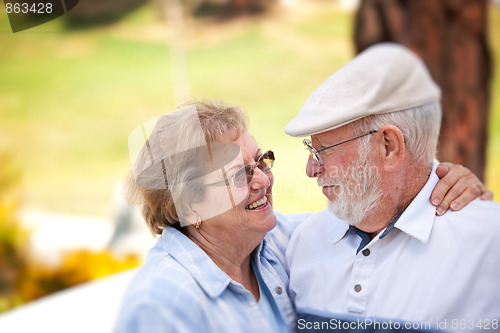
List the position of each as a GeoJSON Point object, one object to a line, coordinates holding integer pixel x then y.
{"type": "Point", "coordinates": [392, 147]}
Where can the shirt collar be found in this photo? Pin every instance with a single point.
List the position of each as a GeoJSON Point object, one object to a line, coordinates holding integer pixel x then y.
{"type": "Point", "coordinates": [206, 273]}
{"type": "Point", "coordinates": [418, 218]}
{"type": "Point", "coordinates": [390, 227]}
{"type": "Point", "coordinates": [336, 228]}
{"type": "Point", "coordinates": [263, 251]}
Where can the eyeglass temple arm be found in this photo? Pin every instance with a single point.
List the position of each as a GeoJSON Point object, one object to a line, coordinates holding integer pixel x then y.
{"type": "Point", "coordinates": [359, 136]}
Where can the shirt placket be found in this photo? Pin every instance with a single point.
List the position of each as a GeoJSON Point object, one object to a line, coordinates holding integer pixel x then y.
{"type": "Point", "coordinates": [360, 282]}
{"type": "Point", "coordinates": [255, 319]}
{"type": "Point", "coordinates": [278, 291]}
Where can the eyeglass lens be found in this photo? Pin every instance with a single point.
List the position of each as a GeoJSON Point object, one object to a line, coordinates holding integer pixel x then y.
{"type": "Point", "coordinates": [311, 150]}
{"type": "Point", "coordinates": [244, 175]}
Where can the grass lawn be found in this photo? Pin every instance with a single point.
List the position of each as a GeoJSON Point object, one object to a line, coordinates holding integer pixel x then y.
{"type": "Point", "coordinates": [68, 100]}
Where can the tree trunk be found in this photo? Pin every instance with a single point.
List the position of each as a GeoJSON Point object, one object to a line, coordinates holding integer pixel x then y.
{"type": "Point", "coordinates": [451, 38]}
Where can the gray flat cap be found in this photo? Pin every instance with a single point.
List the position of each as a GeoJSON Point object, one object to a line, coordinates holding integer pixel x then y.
{"type": "Point", "coordinates": [384, 78]}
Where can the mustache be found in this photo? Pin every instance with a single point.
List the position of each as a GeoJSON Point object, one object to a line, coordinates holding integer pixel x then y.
{"type": "Point", "coordinates": [327, 182]}
{"type": "Point", "coordinates": [337, 176]}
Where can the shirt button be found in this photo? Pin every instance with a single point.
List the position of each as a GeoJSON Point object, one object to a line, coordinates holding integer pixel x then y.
{"type": "Point", "coordinates": [366, 252]}
{"type": "Point", "coordinates": [279, 290]}
{"type": "Point", "coordinates": [357, 288]}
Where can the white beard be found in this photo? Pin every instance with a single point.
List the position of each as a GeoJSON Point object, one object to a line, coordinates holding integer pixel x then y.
{"type": "Point", "coordinates": [358, 190]}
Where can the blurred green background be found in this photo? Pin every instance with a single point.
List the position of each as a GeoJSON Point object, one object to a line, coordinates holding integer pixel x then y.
{"type": "Point", "coordinates": [69, 98]}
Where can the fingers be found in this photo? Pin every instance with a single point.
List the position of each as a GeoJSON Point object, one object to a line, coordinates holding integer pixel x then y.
{"type": "Point", "coordinates": [457, 187]}
{"type": "Point", "coordinates": [449, 174]}
{"type": "Point", "coordinates": [459, 195]}
{"type": "Point", "coordinates": [443, 169]}
{"type": "Point", "coordinates": [487, 195]}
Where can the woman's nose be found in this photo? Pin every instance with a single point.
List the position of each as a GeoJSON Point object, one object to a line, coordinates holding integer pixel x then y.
{"type": "Point", "coordinates": [260, 179]}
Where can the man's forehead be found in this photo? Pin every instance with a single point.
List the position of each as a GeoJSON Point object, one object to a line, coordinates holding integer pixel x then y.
{"type": "Point", "coordinates": [332, 134]}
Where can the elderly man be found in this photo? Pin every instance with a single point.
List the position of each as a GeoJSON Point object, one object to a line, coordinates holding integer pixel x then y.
{"type": "Point", "coordinates": [384, 257]}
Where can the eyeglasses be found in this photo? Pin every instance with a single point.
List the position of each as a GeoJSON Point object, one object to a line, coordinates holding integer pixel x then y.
{"type": "Point", "coordinates": [244, 175]}
{"type": "Point", "coordinates": [315, 153]}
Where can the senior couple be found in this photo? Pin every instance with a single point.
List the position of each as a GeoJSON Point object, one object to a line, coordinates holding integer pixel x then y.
{"type": "Point", "coordinates": [226, 262]}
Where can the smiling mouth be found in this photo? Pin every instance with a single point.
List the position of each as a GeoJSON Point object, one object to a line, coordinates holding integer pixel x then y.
{"type": "Point", "coordinates": [257, 204]}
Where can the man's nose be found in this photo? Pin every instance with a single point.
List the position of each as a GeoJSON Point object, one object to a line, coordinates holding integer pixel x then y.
{"type": "Point", "coordinates": [313, 168]}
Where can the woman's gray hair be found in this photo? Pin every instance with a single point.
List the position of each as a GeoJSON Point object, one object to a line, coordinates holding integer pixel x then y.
{"type": "Point", "coordinates": [176, 132]}
{"type": "Point", "coordinates": [420, 127]}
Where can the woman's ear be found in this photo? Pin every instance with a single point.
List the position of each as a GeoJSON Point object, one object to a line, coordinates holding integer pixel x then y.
{"type": "Point", "coordinates": [191, 217]}
{"type": "Point", "coordinates": [392, 147]}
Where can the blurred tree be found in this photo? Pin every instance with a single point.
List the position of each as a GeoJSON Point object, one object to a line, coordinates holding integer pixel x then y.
{"type": "Point", "coordinates": [222, 9]}
{"type": "Point", "coordinates": [238, 7]}
{"type": "Point", "coordinates": [451, 38]}
{"type": "Point", "coordinates": [89, 13]}
{"type": "Point", "coordinates": [230, 8]}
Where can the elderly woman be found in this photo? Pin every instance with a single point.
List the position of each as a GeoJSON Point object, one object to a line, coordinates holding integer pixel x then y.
{"type": "Point", "coordinates": [205, 186]}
